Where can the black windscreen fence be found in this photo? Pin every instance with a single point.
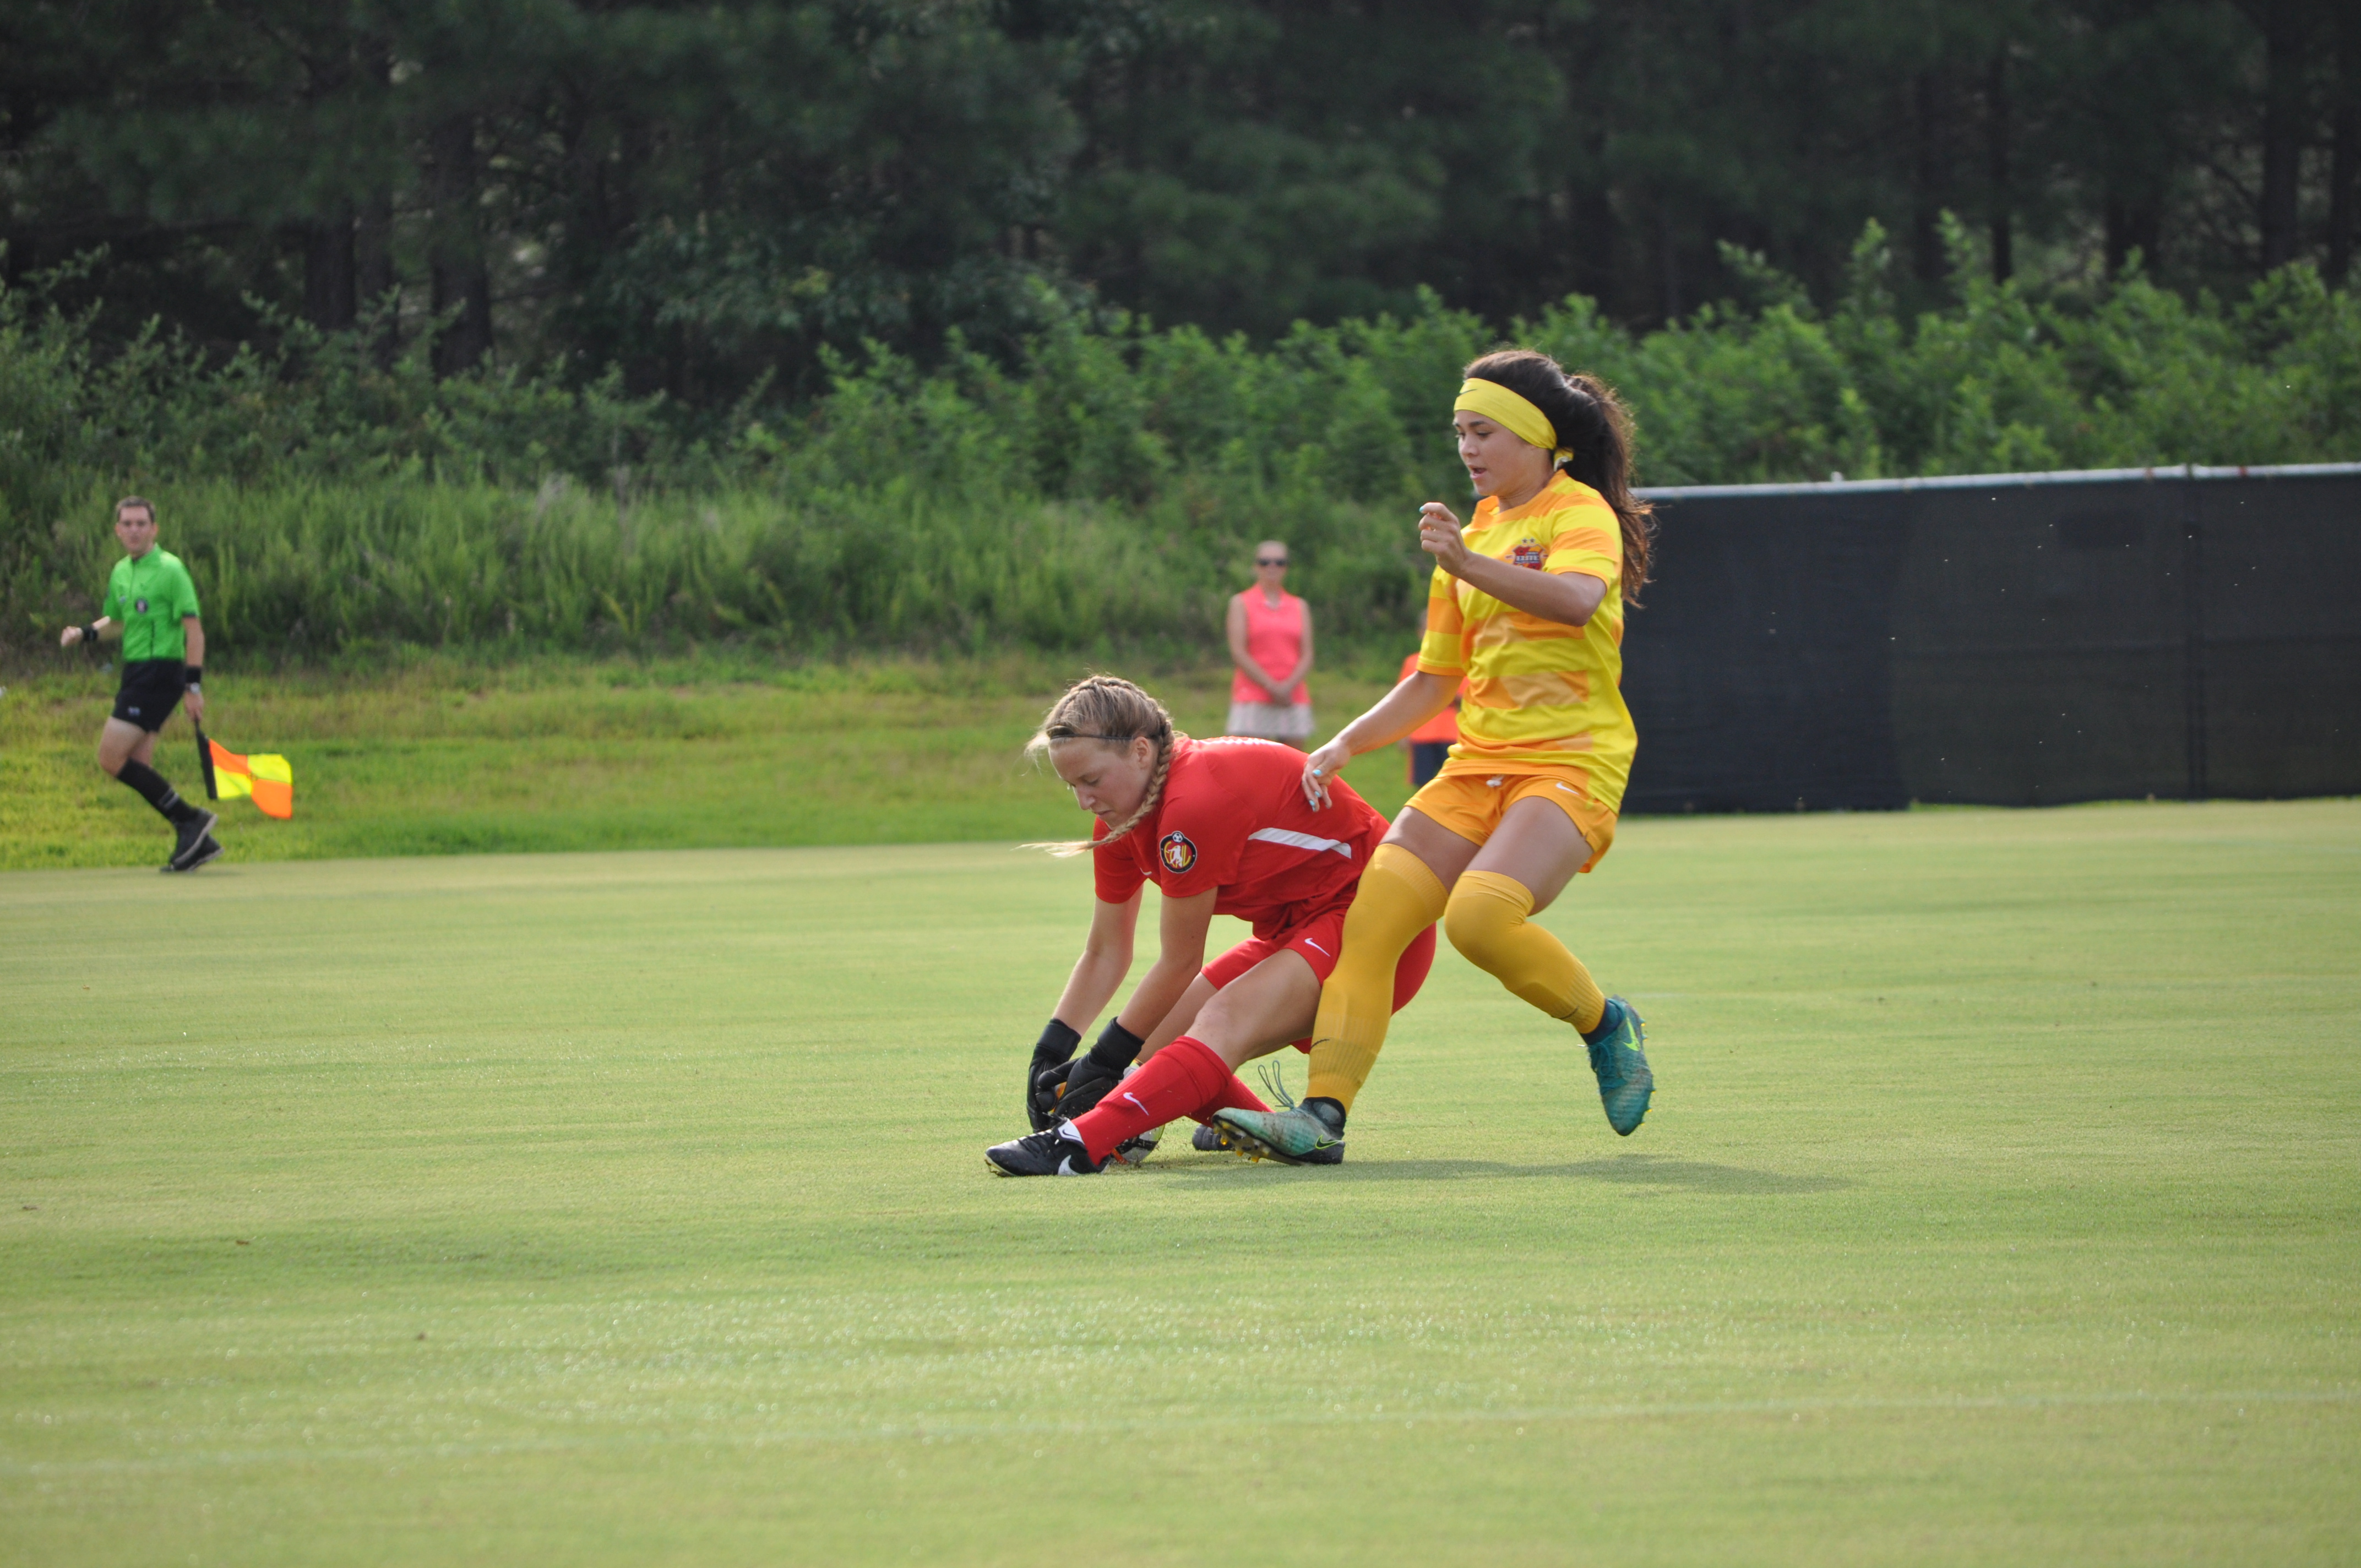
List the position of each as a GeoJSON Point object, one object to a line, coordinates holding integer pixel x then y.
{"type": "Point", "coordinates": [2016, 639]}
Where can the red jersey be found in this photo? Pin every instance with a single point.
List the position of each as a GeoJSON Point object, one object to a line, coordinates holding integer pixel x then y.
{"type": "Point", "coordinates": [1234, 818]}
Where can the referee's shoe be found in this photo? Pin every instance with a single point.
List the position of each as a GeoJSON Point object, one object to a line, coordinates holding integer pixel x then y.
{"type": "Point", "coordinates": [196, 845]}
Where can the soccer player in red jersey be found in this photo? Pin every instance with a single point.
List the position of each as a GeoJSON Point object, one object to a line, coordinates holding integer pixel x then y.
{"type": "Point", "coordinates": [1220, 826]}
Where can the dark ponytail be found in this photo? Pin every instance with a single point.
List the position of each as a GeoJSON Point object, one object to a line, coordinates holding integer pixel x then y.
{"type": "Point", "coordinates": [1596, 431]}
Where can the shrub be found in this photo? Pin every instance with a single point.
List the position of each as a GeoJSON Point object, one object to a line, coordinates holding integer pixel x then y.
{"type": "Point", "coordinates": [1100, 492]}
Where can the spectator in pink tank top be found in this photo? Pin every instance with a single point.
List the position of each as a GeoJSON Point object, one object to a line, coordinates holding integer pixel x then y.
{"type": "Point", "coordinates": [1270, 642]}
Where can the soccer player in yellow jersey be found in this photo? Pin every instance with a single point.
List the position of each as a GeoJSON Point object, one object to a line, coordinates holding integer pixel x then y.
{"type": "Point", "coordinates": [1526, 609]}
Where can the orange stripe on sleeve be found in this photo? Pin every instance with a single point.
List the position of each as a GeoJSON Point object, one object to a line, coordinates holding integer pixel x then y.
{"type": "Point", "coordinates": [1605, 540]}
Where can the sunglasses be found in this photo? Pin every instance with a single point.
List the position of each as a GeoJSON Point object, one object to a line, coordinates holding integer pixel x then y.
{"type": "Point", "coordinates": [1269, 561]}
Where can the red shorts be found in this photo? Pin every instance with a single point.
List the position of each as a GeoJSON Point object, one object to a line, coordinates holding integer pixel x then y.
{"type": "Point", "coordinates": [1319, 939]}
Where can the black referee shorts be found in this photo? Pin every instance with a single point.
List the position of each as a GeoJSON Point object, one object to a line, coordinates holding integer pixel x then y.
{"type": "Point", "coordinates": [150, 691]}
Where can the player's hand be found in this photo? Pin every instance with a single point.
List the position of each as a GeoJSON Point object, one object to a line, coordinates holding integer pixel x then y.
{"type": "Point", "coordinates": [70, 636]}
{"type": "Point", "coordinates": [1068, 1089]}
{"type": "Point", "coordinates": [1438, 536]}
{"type": "Point", "coordinates": [1050, 1053]}
{"type": "Point", "coordinates": [1320, 770]}
{"type": "Point", "coordinates": [1086, 1084]}
{"type": "Point", "coordinates": [1043, 1094]}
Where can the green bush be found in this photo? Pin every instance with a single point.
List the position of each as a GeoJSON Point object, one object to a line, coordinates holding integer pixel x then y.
{"type": "Point", "coordinates": [1099, 493]}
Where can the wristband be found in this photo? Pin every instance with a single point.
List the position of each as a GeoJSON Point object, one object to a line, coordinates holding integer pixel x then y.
{"type": "Point", "coordinates": [1118, 1048]}
{"type": "Point", "coordinates": [1057, 1042]}
{"type": "Point", "coordinates": [190, 676]}
{"type": "Point", "coordinates": [90, 633]}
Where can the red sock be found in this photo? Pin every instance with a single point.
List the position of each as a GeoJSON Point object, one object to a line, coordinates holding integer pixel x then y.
{"type": "Point", "coordinates": [1235, 1096]}
{"type": "Point", "coordinates": [1410, 972]}
{"type": "Point", "coordinates": [1174, 1082]}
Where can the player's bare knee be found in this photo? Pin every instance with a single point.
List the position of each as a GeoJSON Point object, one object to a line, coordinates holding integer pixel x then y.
{"type": "Point", "coordinates": [1217, 1026]}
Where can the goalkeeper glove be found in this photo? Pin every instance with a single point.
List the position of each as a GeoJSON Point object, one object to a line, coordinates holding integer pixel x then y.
{"type": "Point", "coordinates": [1088, 1079]}
{"type": "Point", "coordinates": [1050, 1053]}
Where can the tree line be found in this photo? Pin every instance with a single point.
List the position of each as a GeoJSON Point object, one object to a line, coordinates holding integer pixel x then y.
{"type": "Point", "coordinates": [713, 198]}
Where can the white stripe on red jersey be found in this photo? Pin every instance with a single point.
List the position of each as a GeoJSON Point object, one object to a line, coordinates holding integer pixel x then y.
{"type": "Point", "coordinates": [1233, 817]}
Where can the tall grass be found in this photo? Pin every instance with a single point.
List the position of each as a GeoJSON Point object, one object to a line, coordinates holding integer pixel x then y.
{"type": "Point", "coordinates": [1101, 492]}
{"type": "Point", "coordinates": [315, 566]}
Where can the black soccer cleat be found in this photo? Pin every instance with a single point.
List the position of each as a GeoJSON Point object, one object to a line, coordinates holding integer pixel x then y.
{"type": "Point", "coordinates": [208, 850]}
{"type": "Point", "coordinates": [1052, 1153]}
{"type": "Point", "coordinates": [191, 839]}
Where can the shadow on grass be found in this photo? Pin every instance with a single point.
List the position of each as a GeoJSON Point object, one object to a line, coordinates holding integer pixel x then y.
{"type": "Point", "coordinates": [1628, 1171]}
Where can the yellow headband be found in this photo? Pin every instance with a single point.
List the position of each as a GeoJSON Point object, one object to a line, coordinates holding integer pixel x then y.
{"type": "Point", "coordinates": [1514, 413]}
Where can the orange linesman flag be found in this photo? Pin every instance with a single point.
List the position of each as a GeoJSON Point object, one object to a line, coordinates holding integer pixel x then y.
{"type": "Point", "coordinates": [267, 778]}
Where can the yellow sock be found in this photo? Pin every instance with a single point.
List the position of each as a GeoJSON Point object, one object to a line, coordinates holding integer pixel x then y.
{"type": "Point", "coordinates": [1397, 898]}
{"type": "Point", "coordinates": [1486, 921]}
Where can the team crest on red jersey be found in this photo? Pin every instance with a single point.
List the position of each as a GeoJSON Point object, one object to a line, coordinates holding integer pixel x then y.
{"type": "Point", "coordinates": [1528, 554]}
{"type": "Point", "coordinates": [1177, 852]}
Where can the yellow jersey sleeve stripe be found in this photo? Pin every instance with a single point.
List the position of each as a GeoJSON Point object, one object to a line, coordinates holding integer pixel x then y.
{"type": "Point", "coordinates": [1604, 541]}
{"type": "Point", "coordinates": [1606, 568]}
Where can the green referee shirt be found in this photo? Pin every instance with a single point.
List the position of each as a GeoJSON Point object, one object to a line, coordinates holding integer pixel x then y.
{"type": "Point", "coordinates": [148, 596]}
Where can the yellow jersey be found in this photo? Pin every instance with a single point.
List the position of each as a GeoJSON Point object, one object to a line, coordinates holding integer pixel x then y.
{"type": "Point", "coordinates": [1537, 693]}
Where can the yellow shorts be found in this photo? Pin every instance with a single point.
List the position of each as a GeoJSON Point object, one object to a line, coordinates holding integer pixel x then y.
{"type": "Point", "coordinates": [1471, 804]}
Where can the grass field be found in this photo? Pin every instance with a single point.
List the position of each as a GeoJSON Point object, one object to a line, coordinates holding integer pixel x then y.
{"type": "Point", "coordinates": [1999, 1205]}
{"type": "Point", "coordinates": [444, 757]}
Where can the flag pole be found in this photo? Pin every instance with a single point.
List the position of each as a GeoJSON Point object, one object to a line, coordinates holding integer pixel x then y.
{"type": "Point", "coordinates": [205, 762]}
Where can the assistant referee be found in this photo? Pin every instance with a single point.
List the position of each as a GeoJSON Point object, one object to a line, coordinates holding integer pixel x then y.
{"type": "Point", "coordinates": [151, 606]}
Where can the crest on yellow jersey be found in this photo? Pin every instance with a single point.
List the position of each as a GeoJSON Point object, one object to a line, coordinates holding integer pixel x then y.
{"type": "Point", "coordinates": [1528, 553]}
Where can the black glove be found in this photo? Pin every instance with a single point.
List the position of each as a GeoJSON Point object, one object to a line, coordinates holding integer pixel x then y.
{"type": "Point", "coordinates": [1088, 1079]}
{"type": "Point", "coordinates": [1051, 1054]}
{"type": "Point", "coordinates": [1086, 1084]}
{"type": "Point", "coordinates": [1048, 1091]}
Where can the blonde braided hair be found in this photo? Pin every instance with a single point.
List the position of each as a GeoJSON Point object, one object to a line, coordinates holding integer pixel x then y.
{"type": "Point", "coordinates": [1110, 712]}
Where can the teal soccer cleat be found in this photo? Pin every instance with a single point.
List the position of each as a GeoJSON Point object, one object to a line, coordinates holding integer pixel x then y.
{"type": "Point", "coordinates": [1625, 1084]}
{"type": "Point", "coordinates": [1293, 1135]}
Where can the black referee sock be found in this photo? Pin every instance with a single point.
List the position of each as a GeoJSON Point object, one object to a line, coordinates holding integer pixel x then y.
{"type": "Point", "coordinates": [153, 787]}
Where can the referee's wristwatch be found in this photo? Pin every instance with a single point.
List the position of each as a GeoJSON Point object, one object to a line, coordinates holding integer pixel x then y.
{"type": "Point", "coordinates": [190, 675]}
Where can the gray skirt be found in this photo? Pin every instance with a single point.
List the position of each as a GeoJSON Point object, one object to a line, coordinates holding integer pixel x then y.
{"type": "Point", "coordinates": [1288, 721]}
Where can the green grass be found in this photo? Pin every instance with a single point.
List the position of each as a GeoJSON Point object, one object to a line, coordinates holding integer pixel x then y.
{"type": "Point", "coordinates": [1999, 1205]}
{"type": "Point", "coordinates": [444, 757]}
